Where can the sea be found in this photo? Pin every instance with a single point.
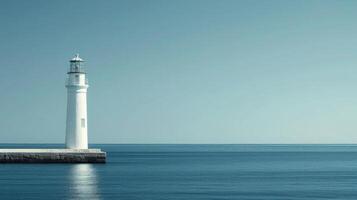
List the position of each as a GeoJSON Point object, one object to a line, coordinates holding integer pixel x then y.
{"type": "Point", "coordinates": [192, 172]}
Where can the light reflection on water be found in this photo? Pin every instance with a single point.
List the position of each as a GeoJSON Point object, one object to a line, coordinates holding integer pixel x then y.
{"type": "Point", "coordinates": [83, 181]}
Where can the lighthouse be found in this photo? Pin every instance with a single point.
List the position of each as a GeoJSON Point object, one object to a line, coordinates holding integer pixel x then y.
{"type": "Point", "coordinates": [76, 128]}
{"type": "Point", "coordinates": [76, 124]}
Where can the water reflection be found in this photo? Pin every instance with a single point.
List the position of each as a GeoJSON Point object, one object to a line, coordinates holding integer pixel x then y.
{"type": "Point", "coordinates": [84, 184]}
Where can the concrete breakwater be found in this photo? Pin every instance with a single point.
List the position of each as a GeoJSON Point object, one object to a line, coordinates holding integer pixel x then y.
{"type": "Point", "coordinates": [52, 156]}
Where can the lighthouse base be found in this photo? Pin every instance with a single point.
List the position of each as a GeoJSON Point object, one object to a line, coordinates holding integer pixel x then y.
{"type": "Point", "coordinates": [52, 156]}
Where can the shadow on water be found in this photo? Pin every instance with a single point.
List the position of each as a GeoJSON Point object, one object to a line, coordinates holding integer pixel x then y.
{"type": "Point", "coordinates": [83, 182]}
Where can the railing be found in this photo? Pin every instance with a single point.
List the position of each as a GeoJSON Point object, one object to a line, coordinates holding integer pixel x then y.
{"type": "Point", "coordinates": [76, 82]}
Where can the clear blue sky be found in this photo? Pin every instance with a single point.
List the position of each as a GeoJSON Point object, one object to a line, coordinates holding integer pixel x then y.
{"type": "Point", "coordinates": [184, 71]}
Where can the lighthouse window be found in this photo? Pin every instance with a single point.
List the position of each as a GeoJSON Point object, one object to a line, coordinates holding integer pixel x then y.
{"type": "Point", "coordinates": [83, 123]}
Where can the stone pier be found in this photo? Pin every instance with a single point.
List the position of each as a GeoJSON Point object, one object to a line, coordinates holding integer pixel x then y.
{"type": "Point", "coordinates": [52, 156]}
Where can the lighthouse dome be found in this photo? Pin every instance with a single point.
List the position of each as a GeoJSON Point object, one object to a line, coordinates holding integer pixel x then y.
{"type": "Point", "coordinates": [77, 59]}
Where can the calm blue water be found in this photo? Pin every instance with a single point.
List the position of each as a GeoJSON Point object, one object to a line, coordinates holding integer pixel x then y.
{"type": "Point", "coordinates": [191, 172]}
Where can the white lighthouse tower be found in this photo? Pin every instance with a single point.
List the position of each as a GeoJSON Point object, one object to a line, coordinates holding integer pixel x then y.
{"type": "Point", "coordinates": [76, 125]}
{"type": "Point", "coordinates": [76, 131]}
